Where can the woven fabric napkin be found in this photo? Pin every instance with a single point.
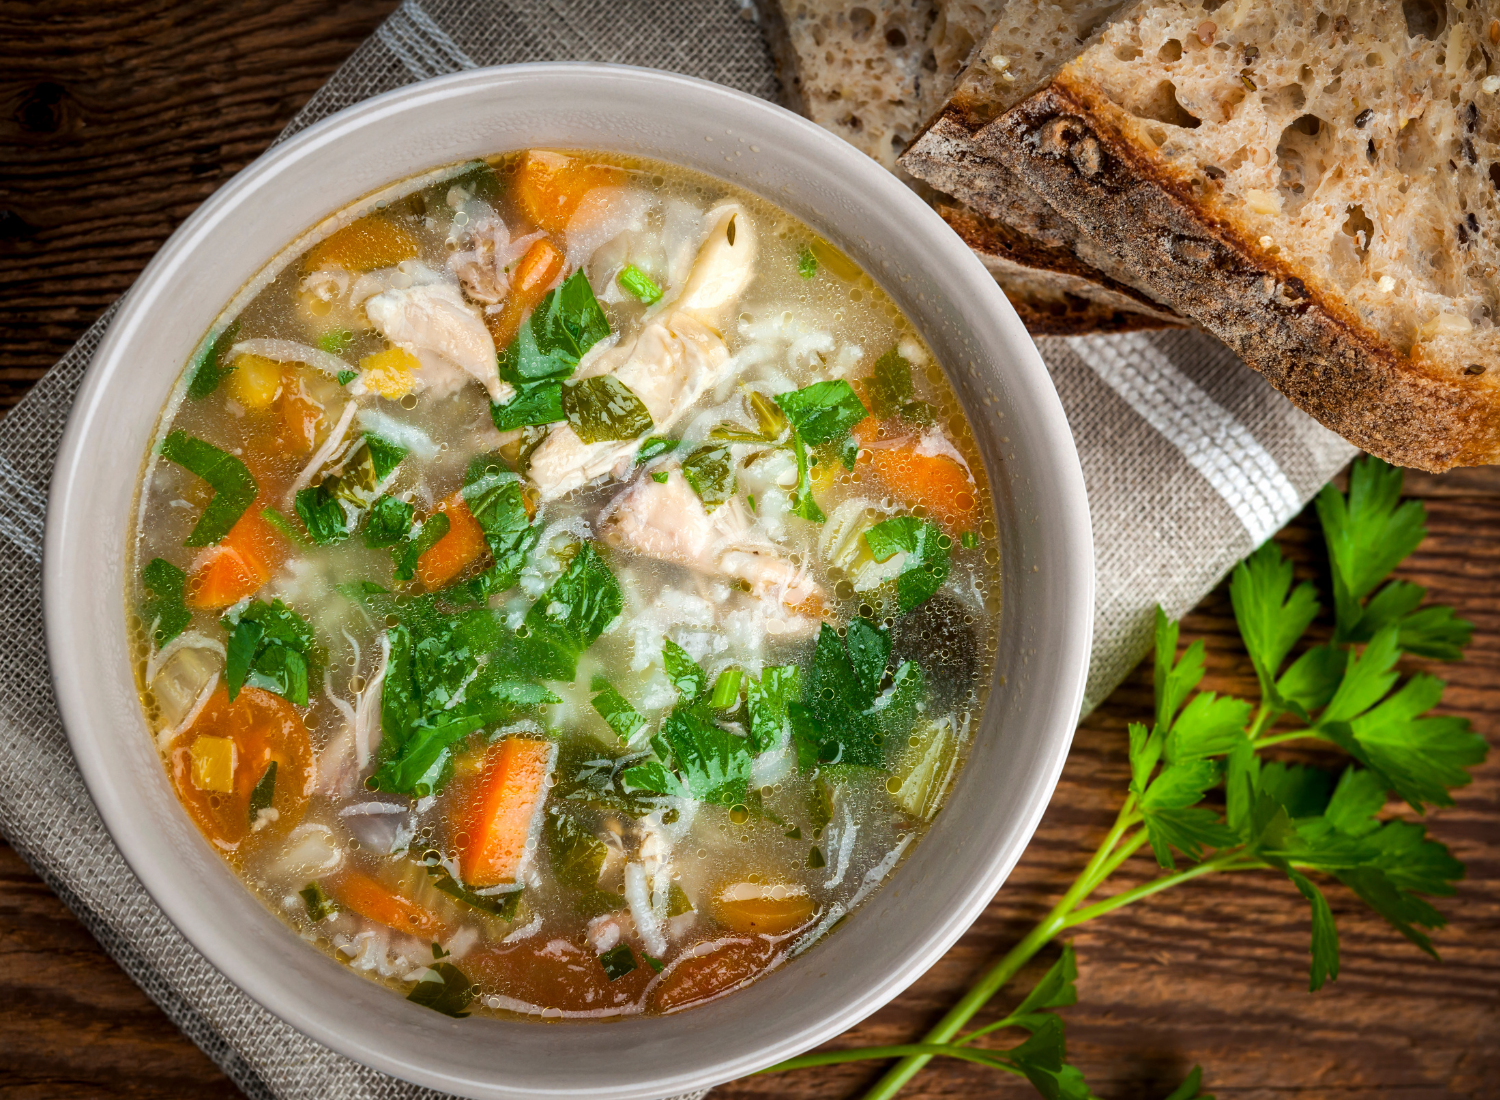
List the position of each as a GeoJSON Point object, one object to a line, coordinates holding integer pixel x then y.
{"type": "Point", "coordinates": [1190, 459]}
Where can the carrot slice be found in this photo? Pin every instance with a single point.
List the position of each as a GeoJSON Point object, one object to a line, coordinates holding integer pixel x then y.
{"type": "Point", "coordinates": [300, 415]}
{"type": "Point", "coordinates": [261, 729]}
{"type": "Point", "coordinates": [494, 821]}
{"type": "Point", "coordinates": [696, 978]}
{"type": "Point", "coordinates": [549, 186]}
{"type": "Point", "coordinates": [536, 271]}
{"type": "Point", "coordinates": [455, 551]}
{"type": "Point", "coordinates": [365, 245]}
{"type": "Point", "coordinates": [935, 482]}
{"type": "Point", "coordinates": [238, 565]}
{"type": "Point", "coordinates": [374, 902]}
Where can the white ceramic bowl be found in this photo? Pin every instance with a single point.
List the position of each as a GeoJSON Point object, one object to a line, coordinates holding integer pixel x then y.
{"type": "Point", "coordinates": [1044, 537]}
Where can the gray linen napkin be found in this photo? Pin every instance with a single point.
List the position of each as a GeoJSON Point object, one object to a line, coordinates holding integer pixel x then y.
{"type": "Point", "coordinates": [1190, 459]}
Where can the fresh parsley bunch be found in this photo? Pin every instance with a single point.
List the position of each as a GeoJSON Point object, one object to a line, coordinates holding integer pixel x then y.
{"type": "Point", "coordinates": [1205, 797]}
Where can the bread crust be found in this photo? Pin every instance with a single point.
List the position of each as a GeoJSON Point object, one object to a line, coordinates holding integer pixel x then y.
{"type": "Point", "coordinates": [1081, 152]}
{"type": "Point", "coordinates": [1061, 296]}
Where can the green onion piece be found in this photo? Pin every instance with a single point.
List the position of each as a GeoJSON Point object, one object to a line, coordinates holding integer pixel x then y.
{"type": "Point", "coordinates": [319, 905]}
{"type": "Point", "coordinates": [234, 488]}
{"type": "Point", "coordinates": [653, 962]}
{"type": "Point", "coordinates": [968, 540]}
{"type": "Point", "coordinates": [640, 284]}
{"type": "Point", "coordinates": [617, 961]}
{"type": "Point", "coordinates": [807, 263]}
{"type": "Point", "coordinates": [726, 691]}
{"type": "Point", "coordinates": [263, 794]}
{"type": "Point", "coordinates": [815, 859]}
{"type": "Point", "coordinates": [208, 368]}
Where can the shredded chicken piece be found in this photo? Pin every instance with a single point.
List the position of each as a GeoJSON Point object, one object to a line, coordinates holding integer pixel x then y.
{"type": "Point", "coordinates": [667, 521]}
{"type": "Point", "coordinates": [434, 322]}
{"type": "Point", "coordinates": [669, 366]}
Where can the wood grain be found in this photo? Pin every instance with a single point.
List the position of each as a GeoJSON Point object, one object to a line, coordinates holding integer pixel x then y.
{"type": "Point", "coordinates": [116, 120]}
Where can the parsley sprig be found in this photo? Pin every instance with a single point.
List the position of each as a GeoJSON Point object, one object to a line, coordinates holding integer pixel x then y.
{"type": "Point", "coordinates": [1310, 826]}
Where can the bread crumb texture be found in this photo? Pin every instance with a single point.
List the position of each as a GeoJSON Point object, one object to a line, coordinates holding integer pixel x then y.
{"type": "Point", "coordinates": [1353, 141]}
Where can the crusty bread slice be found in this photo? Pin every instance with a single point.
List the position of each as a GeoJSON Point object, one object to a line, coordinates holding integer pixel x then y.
{"type": "Point", "coordinates": [1318, 186]}
{"type": "Point", "coordinates": [1069, 297]}
{"type": "Point", "coordinates": [864, 72]}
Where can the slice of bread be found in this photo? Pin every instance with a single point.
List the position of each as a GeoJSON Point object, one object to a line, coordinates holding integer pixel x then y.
{"type": "Point", "coordinates": [1320, 187]}
{"type": "Point", "coordinates": [865, 72]}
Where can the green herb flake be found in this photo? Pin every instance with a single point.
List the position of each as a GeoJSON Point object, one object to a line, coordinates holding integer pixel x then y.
{"type": "Point", "coordinates": [164, 612]}
{"type": "Point", "coordinates": [561, 329]}
{"type": "Point", "coordinates": [209, 367]}
{"type": "Point", "coordinates": [654, 963]}
{"type": "Point", "coordinates": [767, 700]}
{"type": "Point", "coordinates": [577, 854]}
{"type": "Point", "coordinates": [273, 648]}
{"type": "Point", "coordinates": [570, 616]}
{"type": "Point", "coordinates": [803, 502]}
{"type": "Point", "coordinates": [807, 263]}
{"type": "Point", "coordinates": [709, 763]}
{"type": "Point", "coordinates": [616, 711]}
{"type": "Point", "coordinates": [968, 540]}
{"type": "Point", "coordinates": [263, 793]}
{"type": "Point", "coordinates": [444, 988]}
{"type": "Point", "coordinates": [504, 905]}
{"type": "Point", "coordinates": [815, 858]}
{"type": "Point", "coordinates": [637, 282]}
{"type": "Point", "coordinates": [234, 488]}
{"type": "Point", "coordinates": [686, 675]}
{"type": "Point", "coordinates": [617, 962]}
{"type": "Point", "coordinates": [710, 471]}
{"type": "Point", "coordinates": [654, 447]}
{"type": "Point", "coordinates": [344, 377]}
{"type": "Point", "coordinates": [927, 556]}
{"type": "Point", "coordinates": [824, 412]}
{"type": "Point", "coordinates": [534, 404]}
{"type": "Point", "coordinates": [845, 716]}
{"type": "Point", "coordinates": [661, 477]}
{"type": "Point", "coordinates": [387, 521]}
{"type": "Point", "coordinates": [601, 409]}
{"type": "Point", "coordinates": [319, 905]}
{"type": "Point", "coordinates": [286, 527]}
{"type": "Point", "coordinates": [496, 499]}
{"type": "Point", "coordinates": [322, 512]}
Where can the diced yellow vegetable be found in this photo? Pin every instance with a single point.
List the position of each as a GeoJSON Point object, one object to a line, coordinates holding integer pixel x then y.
{"type": "Point", "coordinates": [213, 764]}
{"type": "Point", "coordinates": [255, 381]}
{"type": "Point", "coordinates": [823, 473]}
{"type": "Point", "coordinates": [389, 372]}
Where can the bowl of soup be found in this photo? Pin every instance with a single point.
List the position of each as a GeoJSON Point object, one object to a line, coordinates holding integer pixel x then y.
{"type": "Point", "coordinates": [568, 580]}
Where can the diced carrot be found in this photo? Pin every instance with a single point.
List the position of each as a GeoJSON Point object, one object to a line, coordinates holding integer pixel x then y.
{"type": "Point", "coordinates": [238, 565]}
{"type": "Point", "coordinates": [935, 482]}
{"type": "Point", "coordinates": [699, 977]}
{"type": "Point", "coordinates": [261, 729]}
{"type": "Point", "coordinates": [495, 813]}
{"type": "Point", "coordinates": [455, 551]}
{"type": "Point", "coordinates": [374, 902]}
{"type": "Point", "coordinates": [370, 243]}
{"type": "Point", "coordinates": [549, 186]}
{"type": "Point", "coordinates": [535, 273]}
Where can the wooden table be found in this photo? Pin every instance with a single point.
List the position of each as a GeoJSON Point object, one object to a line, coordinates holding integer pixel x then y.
{"type": "Point", "coordinates": [117, 119]}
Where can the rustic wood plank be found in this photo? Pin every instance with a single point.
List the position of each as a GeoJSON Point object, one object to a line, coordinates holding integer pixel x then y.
{"type": "Point", "coordinates": [117, 119]}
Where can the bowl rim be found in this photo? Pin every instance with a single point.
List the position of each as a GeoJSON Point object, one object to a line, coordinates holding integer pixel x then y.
{"type": "Point", "coordinates": [1073, 568]}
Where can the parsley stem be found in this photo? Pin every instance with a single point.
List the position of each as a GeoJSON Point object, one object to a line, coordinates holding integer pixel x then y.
{"type": "Point", "coordinates": [1278, 738]}
{"type": "Point", "coordinates": [1146, 889]}
{"type": "Point", "coordinates": [1263, 718]}
{"type": "Point", "coordinates": [1018, 956]}
{"type": "Point", "coordinates": [906, 1050]}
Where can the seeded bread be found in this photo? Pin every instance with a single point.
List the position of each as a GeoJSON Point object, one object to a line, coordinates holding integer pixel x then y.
{"type": "Point", "coordinates": [865, 73]}
{"type": "Point", "coordinates": [1320, 187]}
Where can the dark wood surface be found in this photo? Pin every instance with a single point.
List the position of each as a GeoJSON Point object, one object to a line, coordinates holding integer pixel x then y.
{"type": "Point", "coordinates": [117, 119]}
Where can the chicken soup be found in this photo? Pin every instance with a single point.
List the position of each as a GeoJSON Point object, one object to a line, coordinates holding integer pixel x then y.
{"type": "Point", "coordinates": [565, 586]}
